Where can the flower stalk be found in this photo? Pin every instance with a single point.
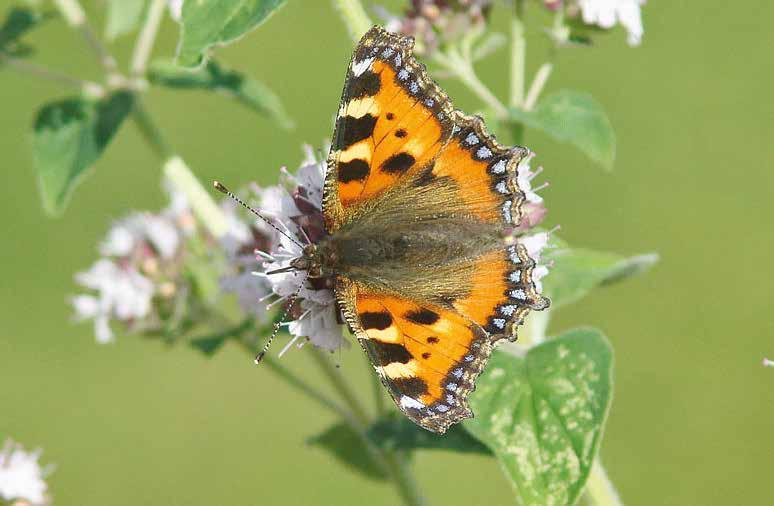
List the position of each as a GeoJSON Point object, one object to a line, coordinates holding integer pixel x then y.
{"type": "Point", "coordinates": [599, 489]}
{"type": "Point", "coordinates": [147, 38]}
{"type": "Point", "coordinates": [354, 16]}
{"type": "Point", "coordinates": [518, 57]}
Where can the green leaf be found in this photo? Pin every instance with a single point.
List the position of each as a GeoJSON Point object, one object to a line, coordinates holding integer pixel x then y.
{"type": "Point", "coordinates": [123, 17]}
{"type": "Point", "coordinates": [543, 415]}
{"type": "Point", "coordinates": [577, 271]}
{"type": "Point", "coordinates": [17, 23]}
{"type": "Point", "coordinates": [576, 118]}
{"type": "Point", "coordinates": [69, 136]}
{"type": "Point", "coordinates": [208, 23]}
{"type": "Point", "coordinates": [246, 90]}
{"type": "Point", "coordinates": [347, 447]}
{"type": "Point", "coordinates": [209, 345]}
{"type": "Point", "coordinates": [399, 433]}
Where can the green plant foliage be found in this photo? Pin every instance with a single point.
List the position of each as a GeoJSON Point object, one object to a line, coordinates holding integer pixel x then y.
{"type": "Point", "coordinates": [213, 77]}
{"type": "Point", "coordinates": [68, 137]}
{"type": "Point", "coordinates": [576, 118]}
{"type": "Point", "coordinates": [399, 433]}
{"type": "Point", "coordinates": [123, 17]}
{"type": "Point", "coordinates": [347, 447]}
{"type": "Point", "coordinates": [543, 415]}
{"type": "Point", "coordinates": [577, 271]}
{"type": "Point", "coordinates": [209, 23]}
{"type": "Point", "coordinates": [18, 21]}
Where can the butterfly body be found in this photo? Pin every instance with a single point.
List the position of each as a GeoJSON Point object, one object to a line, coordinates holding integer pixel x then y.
{"type": "Point", "coordinates": [419, 207]}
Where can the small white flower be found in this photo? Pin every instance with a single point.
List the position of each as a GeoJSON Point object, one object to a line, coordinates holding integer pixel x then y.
{"type": "Point", "coordinates": [606, 13]}
{"type": "Point", "coordinates": [21, 476]}
{"type": "Point", "coordinates": [298, 212]}
{"type": "Point", "coordinates": [768, 363]}
{"type": "Point", "coordinates": [175, 9]}
{"type": "Point", "coordinates": [120, 241]}
{"type": "Point", "coordinates": [122, 293]}
{"type": "Point", "coordinates": [319, 322]}
{"type": "Point", "coordinates": [162, 234]}
{"type": "Point", "coordinates": [535, 243]}
{"type": "Point", "coordinates": [525, 177]}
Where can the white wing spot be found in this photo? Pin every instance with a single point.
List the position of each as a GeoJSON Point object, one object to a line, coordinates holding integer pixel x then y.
{"type": "Point", "coordinates": [410, 402]}
{"type": "Point", "coordinates": [359, 67]}
{"type": "Point", "coordinates": [484, 152]}
{"type": "Point", "coordinates": [498, 167]}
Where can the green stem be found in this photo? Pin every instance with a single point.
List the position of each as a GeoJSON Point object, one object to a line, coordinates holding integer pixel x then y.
{"type": "Point", "coordinates": [149, 131]}
{"type": "Point", "coordinates": [303, 387]}
{"type": "Point", "coordinates": [354, 16]}
{"type": "Point", "coordinates": [378, 391]}
{"type": "Point", "coordinates": [456, 65]}
{"type": "Point", "coordinates": [395, 463]}
{"type": "Point", "coordinates": [75, 16]}
{"type": "Point", "coordinates": [89, 88]}
{"type": "Point", "coordinates": [337, 380]}
{"type": "Point", "coordinates": [146, 38]}
{"type": "Point", "coordinates": [518, 56]}
{"type": "Point", "coordinates": [201, 202]}
{"type": "Point", "coordinates": [538, 83]}
{"type": "Point", "coordinates": [599, 489]}
{"type": "Point", "coordinates": [404, 479]}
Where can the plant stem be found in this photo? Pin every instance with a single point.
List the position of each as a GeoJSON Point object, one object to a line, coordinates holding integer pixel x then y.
{"type": "Point", "coordinates": [538, 83]}
{"type": "Point", "coordinates": [354, 16]}
{"type": "Point", "coordinates": [201, 202]}
{"type": "Point", "coordinates": [304, 387]}
{"type": "Point", "coordinates": [454, 63]}
{"type": "Point", "coordinates": [75, 16]}
{"type": "Point", "coordinates": [404, 480]}
{"type": "Point", "coordinates": [599, 489]}
{"type": "Point", "coordinates": [146, 38]}
{"type": "Point", "coordinates": [377, 388]}
{"type": "Point", "coordinates": [337, 380]}
{"type": "Point", "coordinates": [394, 462]}
{"type": "Point", "coordinates": [149, 131]}
{"type": "Point", "coordinates": [518, 55]}
{"type": "Point", "coordinates": [33, 69]}
{"type": "Point", "coordinates": [177, 172]}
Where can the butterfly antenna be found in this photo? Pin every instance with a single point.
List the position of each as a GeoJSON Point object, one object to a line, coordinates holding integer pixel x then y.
{"type": "Point", "coordinates": [222, 189]}
{"type": "Point", "coordinates": [278, 324]}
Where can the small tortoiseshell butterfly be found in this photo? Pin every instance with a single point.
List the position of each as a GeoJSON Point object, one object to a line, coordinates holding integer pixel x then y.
{"type": "Point", "coordinates": [419, 203]}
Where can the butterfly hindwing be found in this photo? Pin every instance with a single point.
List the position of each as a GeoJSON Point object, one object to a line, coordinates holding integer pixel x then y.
{"type": "Point", "coordinates": [427, 356]}
{"type": "Point", "coordinates": [485, 172]}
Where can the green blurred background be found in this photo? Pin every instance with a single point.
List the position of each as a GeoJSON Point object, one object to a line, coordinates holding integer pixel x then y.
{"type": "Point", "coordinates": [138, 422]}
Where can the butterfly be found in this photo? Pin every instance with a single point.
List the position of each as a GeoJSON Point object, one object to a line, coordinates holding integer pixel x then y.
{"type": "Point", "coordinates": [419, 202]}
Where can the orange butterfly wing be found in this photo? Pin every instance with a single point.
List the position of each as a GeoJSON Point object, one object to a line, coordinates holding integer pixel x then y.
{"type": "Point", "coordinates": [393, 120]}
{"type": "Point", "coordinates": [427, 356]}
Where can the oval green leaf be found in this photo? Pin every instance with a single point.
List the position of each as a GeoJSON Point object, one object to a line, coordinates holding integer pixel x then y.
{"type": "Point", "coordinates": [577, 271]}
{"type": "Point", "coordinates": [208, 23]}
{"type": "Point", "coordinates": [68, 137]}
{"type": "Point", "coordinates": [543, 415]}
{"type": "Point", "coordinates": [213, 77]}
{"type": "Point", "coordinates": [575, 118]}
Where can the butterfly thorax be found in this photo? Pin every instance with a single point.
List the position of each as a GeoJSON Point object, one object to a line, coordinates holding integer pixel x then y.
{"type": "Point", "coordinates": [396, 258]}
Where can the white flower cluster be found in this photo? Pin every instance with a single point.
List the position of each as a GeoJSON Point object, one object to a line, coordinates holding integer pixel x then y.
{"type": "Point", "coordinates": [607, 13]}
{"type": "Point", "coordinates": [132, 270]}
{"type": "Point", "coordinates": [296, 205]}
{"type": "Point", "coordinates": [21, 476]}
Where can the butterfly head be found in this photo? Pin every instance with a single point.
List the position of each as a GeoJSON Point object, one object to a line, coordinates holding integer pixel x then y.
{"type": "Point", "coordinates": [317, 260]}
